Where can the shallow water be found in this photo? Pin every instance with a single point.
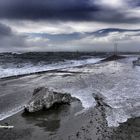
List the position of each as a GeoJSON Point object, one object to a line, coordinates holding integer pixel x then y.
{"type": "Point", "coordinates": [19, 64]}
{"type": "Point", "coordinates": [40, 125]}
{"type": "Point", "coordinates": [118, 82]}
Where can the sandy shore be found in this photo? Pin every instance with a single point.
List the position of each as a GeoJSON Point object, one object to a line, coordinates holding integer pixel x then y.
{"type": "Point", "coordinates": [63, 123]}
{"type": "Point", "coordinates": [116, 81]}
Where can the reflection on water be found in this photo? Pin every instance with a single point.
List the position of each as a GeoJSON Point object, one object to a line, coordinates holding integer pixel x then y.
{"type": "Point", "coordinates": [50, 120]}
{"type": "Point", "coordinates": [51, 125]}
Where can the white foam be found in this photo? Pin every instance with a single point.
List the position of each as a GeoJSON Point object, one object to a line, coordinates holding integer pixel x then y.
{"type": "Point", "coordinates": [84, 95]}
{"type": "Point", "coordinates": [124, 96]}
{"type": "Point", "coordinates": [86, 100]}
{"type": "Point", "coordinates": [30, 68]}
{"type": "Point", "coordinates": [119, 85]}
{"type": "Point", "coordinates": [116, 116]}
{"type": "Point", "coordinates": [10, 113]}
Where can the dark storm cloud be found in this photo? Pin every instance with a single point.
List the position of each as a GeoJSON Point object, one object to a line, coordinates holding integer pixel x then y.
{"type": "Point", "coordinates": [134, 2]}
{"type": "Point", "coordinates": [9, 39]}
{"type": "Point", "coordinates": [65, 10]}
{"type": "Point", "coordinates": [5, 30]}
{"type": "Point", "coordinates": [46, 9]}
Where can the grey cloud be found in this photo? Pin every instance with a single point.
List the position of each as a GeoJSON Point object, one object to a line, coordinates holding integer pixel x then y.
{"type": "Point", "coordinates": [5, 30]}
{"type": "Point", "coordinates": [88, 41]}
{"type": "Point", "coordinates": [46, 9]}
{"type": "Point", "coordinates": [10, 40]}
{"type": "Point", "coordinates": [64, 10]}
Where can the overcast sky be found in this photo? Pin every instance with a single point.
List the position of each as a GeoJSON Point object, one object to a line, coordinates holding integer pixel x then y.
{"type": "Point", "coordinates": [69, 25]}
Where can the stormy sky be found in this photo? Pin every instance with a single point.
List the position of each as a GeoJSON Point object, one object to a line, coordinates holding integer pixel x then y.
{"type": "Point", "coordinates": [69, 25]}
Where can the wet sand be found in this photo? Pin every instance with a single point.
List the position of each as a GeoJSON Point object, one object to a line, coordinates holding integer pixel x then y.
{"type": "Point", "coordinates": [40, 125]}
{"type": "Point", "coordinates": [67, 123]}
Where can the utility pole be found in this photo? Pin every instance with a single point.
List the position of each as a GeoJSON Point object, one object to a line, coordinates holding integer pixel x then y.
{"type": "Point", "coordinates": [115, 53]}
{"type": "Point", "coordinates": [115, 48]}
